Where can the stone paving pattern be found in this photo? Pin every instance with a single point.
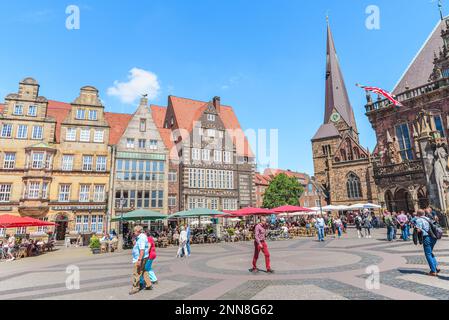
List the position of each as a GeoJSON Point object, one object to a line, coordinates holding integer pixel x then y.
{"type": "Point", "coordinates": [305, 270]}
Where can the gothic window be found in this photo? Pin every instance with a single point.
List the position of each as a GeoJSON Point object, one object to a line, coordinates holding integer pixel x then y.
{"type": "Point", "coordinates": [354, 187]}
{"type": "Point", "coordinates": [326, 150]}
{"type": "Point", "coordinates": [349, 149]}
{"type": "Point", "coordinates": [356, 153]}
{"type": "Point", "coordinates": [439, 125]}
{"type": "Point", "coordinates": [405, 146]}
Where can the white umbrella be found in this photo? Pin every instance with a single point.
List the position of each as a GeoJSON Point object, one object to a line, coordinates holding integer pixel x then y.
{"type": "Point", "coordinates": [372, 206]}
{"type": "Point", "coordinates": [331, 208]}
{"type": "Point", "coordinates": [357, 206]}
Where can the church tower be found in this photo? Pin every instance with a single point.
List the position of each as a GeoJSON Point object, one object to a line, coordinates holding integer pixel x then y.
{"type": "Point", "coordinates": [341, 164]}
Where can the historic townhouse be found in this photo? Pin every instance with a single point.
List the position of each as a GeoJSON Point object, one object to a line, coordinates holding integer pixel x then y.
{"type": "Point", "coordinates": [78, 196]}
{"type": "Point", "coordinates": [27, 152]}
{"type": "Point", "coordinates": [141, 165]}
{"type": "Point", "coordinates": [216, 168]}
{"type": "Point", "coordinates": [342, 166]}
{"type": "Point", "coordinates": [411, 156]}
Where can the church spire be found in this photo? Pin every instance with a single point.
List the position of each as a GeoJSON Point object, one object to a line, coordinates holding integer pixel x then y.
{"type": "Point", "coordinates": [336, 94]}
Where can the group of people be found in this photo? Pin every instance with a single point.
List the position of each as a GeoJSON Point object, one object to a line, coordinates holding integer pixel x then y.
{"type": "Point", "coordinates": [327, 224]}
{"type": "Point", "coordinates": [143, 256]}
{"type": "Point", "coordinates": [12, 247]}
{"type": "Point", "coordinates": [8, 248]}
{"type": "Point", "coordinates": [426, 232]}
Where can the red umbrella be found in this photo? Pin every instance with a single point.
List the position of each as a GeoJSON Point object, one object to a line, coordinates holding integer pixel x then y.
{"type": "Point", "coordinates": [8, 221]}
{"type": "Point", "coordinates": [38, 223]}
{"type": "Point", "coordinates": [252, 212]}
{"type": "Point", "coordinates": [291, 209]}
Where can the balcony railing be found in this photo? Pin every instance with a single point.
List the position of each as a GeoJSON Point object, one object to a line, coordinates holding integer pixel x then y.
{"type": "Point", "coordinates": [405, 168]}
{"type": "Point", "coordinates": [409, 94]}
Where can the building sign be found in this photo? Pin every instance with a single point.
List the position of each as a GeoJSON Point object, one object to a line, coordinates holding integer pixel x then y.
{"type": "Point", "coordinates": [5, 208]}
{"type": "Point", "coordinates": [141, 156]}
{"type": "Point", "coordinates": [79, 208]}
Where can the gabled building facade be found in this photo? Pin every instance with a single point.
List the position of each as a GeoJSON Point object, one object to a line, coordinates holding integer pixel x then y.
{"type": "Point", "coordinates": [141, 165]}
{"type": "Point", "coordinates": [342, 166]}
{"type": "Point", "coordinates": [216, 166]}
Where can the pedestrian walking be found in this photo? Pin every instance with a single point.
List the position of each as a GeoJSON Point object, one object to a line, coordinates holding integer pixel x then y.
{"type": "Point", "coordinates": [403, 224]}
{"type": "Point", "coordinates": [319, 225]}
{"type": "Point", "coordinates": [388, 220]}
{"type": "Point", "coordinates": [182, 249]}
{"type": "Point", "coordinates": [260, 244]}
{"type": "Point", "coordinates": [188, 240]}
{"type": "Point", "coordinates": [338, 227]}
{"type": "Point", "coordinates": [140, 255]}
{"type": "Point", "coordinates": [423, 225]}
{"type": "Point", "coordinates": [359, 225]}
{"type": "Point", "coordinates": [367, 226]}
{"type": "Point", "coordinates": [151, 257]}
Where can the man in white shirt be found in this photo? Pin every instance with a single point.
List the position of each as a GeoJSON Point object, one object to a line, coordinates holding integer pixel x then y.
{"type": "Point", "coordinates": [140, 257]}
{"type": "Point", "coordinates": [11, 244]}
{"type": "Point", "coordinates": [320, 227]}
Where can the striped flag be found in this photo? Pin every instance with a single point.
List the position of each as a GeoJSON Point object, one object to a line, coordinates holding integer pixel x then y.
{"type": "Point", "coordinates": [383, 93]}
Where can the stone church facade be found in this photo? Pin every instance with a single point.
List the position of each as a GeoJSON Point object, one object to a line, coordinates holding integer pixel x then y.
{"type": "Point", "coordinates": [342, 166]}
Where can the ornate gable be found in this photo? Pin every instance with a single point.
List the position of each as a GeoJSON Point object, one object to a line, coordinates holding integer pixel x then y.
{"type": "Point", "coordinates": [349, 150]}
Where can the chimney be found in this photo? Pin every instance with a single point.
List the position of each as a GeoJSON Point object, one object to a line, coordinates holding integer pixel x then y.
{"type": "Point", "coordinates": [144, 100]}
{"type": "Point", "coordinates": [217, 104]}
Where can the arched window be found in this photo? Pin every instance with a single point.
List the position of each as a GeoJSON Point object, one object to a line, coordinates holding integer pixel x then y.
{"type": "Point", "coordinates": [354, 187]}
{"type": "Point", "coordinates": [343, 154]}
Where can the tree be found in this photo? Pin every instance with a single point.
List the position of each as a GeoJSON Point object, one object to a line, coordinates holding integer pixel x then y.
{"type": "Point", "coordinates": [283, 190]}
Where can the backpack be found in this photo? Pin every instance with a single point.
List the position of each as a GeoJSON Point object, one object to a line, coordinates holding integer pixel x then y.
{"type": "Point", "coordinates": [435, 230]}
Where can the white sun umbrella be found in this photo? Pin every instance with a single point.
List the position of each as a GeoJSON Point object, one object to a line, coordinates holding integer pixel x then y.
{"type": "Point", "coordinates": [331, 208]}
{"type": "Point", "coordinates": [357, 206]}
{"type": "Point", "coordinates": [372, 206]}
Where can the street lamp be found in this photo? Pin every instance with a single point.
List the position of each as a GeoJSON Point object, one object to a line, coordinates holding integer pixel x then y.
{"type": "Point", "coordinates": [320, 193]}
{"type": "Point", "coordinates": [121, 236]}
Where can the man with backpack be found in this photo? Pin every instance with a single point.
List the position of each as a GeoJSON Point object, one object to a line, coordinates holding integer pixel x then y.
{"type": "Point", "coordinates": [431, 232]}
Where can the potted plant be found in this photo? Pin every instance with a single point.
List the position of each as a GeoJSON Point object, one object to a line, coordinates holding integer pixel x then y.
{"type": "Point", "coordinates": [95, 245]}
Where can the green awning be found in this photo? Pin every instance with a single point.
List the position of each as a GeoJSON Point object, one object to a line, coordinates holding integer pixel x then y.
{"type": "Point", "coordinates": [141, 215]}
{"type": "Point", "coordinates": [195, 213]}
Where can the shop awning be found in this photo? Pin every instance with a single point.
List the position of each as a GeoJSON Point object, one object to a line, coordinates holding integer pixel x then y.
{"type": "Point", "coordinates": [199, 212]}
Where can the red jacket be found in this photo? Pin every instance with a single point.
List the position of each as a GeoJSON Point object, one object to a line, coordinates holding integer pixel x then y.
{"type": "Point", "coordinates": [152, 249]}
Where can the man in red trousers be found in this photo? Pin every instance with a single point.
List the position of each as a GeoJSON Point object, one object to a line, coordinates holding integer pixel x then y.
{"type": "Point", "coordinates": [260, 244]}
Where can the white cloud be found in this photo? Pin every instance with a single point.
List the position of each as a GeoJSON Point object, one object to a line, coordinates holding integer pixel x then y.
{"type": "Point", "coordinates": [139, 82]}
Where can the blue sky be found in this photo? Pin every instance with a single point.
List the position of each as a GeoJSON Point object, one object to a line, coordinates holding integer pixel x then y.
{"type": "Point", "coordinates": [266, 58]}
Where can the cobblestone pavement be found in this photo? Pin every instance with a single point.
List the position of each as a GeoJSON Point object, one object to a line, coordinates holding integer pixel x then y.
{"type": "Point", "coordinates": [338, 269]}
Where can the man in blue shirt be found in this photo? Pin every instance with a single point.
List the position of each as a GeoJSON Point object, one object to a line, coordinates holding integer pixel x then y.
{"type": "Point", "coordinates": [423, 226]}
{"type": "Point", "coordinates": [188, 241]}
{"type": "Point", "coordinates": [140, 255]}
{"type": "Point", "coordinates": [320, 227]}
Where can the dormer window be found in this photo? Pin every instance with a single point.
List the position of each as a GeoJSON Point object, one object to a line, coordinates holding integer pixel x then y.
{"type": "Point", "coordinates": [211, 117]}
{"type": "Point", "coordinates": [80, 114]}
{"type": "Point", "coordinates": [32, 111]}
{"type": "Point", "coordinates": [18, 110]}
{"type": "Point", "coordinates": [93, 115]}
{"type": "Point", "coordinates": [143, 125]}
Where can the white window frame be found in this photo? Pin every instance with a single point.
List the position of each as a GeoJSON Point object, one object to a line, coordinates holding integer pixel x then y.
{"type": "Point", "coordinates": [18, 107]}
{"type": "Point", "coordinates": [99, 193]}
{"type": "Point", "coordinates": [64, 193]}
{"type": "Point", "coordinates": [205, 154]}
{"type": "Point", "coordinates": [85, 135]}
{"type": "Point", "coordinates": [34, 113]}
{"type": "Point", "coordinates": [9, 161]}
{"type": "Point", "coordinates": [38, 133]}
{"type": "Point", "coordinates": [153, 144]}
{"type": "Point", "coordinates": [84, 193]}
{"type": "Point", "coordinates": [93, 115]}
{"type": "Point", "coordinates": [101, 163]}
{"type": "Point", "coordinates": [5, 192]}
{"type": "Point", "coordinates": [81, 114]}
{"type": "Point", "coordinates": [38, 160]}
{"type": "Point", "coordinates": [227, 157]}
{"type": "Point", "coordinates": [211, 117]}
{"type": "Point", "coordinates": [33, 190]}
{"type": "Point", "coordinates": [99, 136]}
{"type": "Point", "coordinates": [196, 154]}
{"type": "Point", "coordinates": [88, 165]}
{"type": "Point", "coordinates": [67, 162]}
{"type": "Point", "coordinates": [45, 187]}
{"type": "Point", "coordinates": [6, 130]}
{"type": "Point", "coordinates": [218, 156]}
{"type": "Point", "coordinates": [70, 134]}
{"type": "Point", "coordinates": [130, 143]}
{"type": "Point", "coordinates": [22, 132]}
